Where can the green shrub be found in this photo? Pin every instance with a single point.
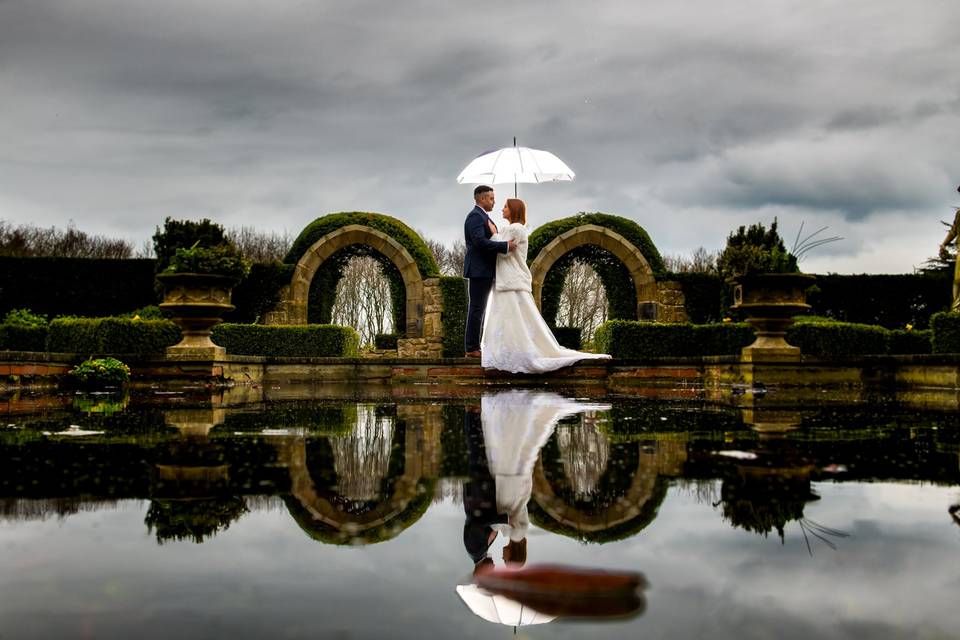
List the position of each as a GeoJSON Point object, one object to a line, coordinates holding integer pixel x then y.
{"type": "Point", "coordinates": [837, 338]}
{"type": "Point", "coordinates": [222, 260]}
{"type": "Point", "coordinates": [755, 250]}
{"type": "Point", "coordinates": [629, 339]}
{"type": "Point", "coordinates": [889, 300]}
{"type": "Point", "coordinates": [453, 291]}
{"type": "Point", "coordinates": [111, 335]}
{"type": "Point", "coordinates": [101, 372]}
{"type": "Point", "coordinates": [180, 234]}
{"type": "Point", "coordinates": [259, 292]}
{"type": "Point", "coordinates": [18, 337]}
{"type": "Point", "coordinates": [150, 312]}
{"type": "Point", "coordinates": [24, 318]}
{"type": "Point", "coordinates": [311, 340]}
{"type": "Point", "coordinates": [900, 341]}
{"type": "Point", "coordinates": [385, 341]}
{"type": "Point", "coordinates": [728, 338]}
{"type": "Point", "coordinates": [946, 332]}
{"type": "Point", "coordinates": [569, 337]}
{"type": "Point", "coordinates": [703, 295]}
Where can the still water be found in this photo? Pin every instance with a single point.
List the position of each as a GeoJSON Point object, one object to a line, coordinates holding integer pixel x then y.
{"type": "Point", "coordinates": [177, 515]}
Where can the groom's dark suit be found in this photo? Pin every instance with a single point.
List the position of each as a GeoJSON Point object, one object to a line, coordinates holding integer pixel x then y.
{"type": "Point", "coordinates": [480, 267]}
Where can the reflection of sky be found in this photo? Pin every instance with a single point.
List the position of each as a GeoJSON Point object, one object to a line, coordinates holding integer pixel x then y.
{"type": "Point", "coordinates": [101, 574]}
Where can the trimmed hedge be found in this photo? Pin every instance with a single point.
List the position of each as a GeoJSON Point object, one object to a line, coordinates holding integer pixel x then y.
{"type": "Point", "coordinates": [815, 337]}
{"type": "Point", "coordinates": [259, 292]}
{"type": "Point", "coordinates": [312, 340]}
{"type": "Point", "coordinates": [946, 332]}
{"type": "Point", "coordinates": [569, 337]}
{"type": "Point", "coordinates": [75, 286]}
{"type": "Point", "coordinates": [394, 228]}
{"type": "Point", "coordinates": [453, 291]}
{"type": "Point", "coordinates": [631, 339]}
{"type": "Point", "coordinates": [891, 301]}
{"type": "Point", "coordinates": [705, 296]}
{"type": "Point", "coordinates": [90, 336]}
{"type": "Point", "coordinates": [385, 341]}
{"type": "Point", "coordinates": [18, 337]}
{"type": "Point", "coordinates": [544, 234]}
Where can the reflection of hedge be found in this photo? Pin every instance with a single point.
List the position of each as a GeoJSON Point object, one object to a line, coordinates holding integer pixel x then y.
{"type": "Point", "coordinates": [89, 336]}
{"type": "Point", "coordinates": [634, 420]}
{"type": "Point", "coordinates": [310, 340]}
{"type": "Point", "coordinates": [18, 337]}
{"type": "Point", "coordinates": [309, 415]}
{"type": "Point", "coordinates": [766, 503]}
{"type": "Point", "coordinates": [621, 294]}
{"type": "Point", "coordinates": [631, 339]}
{"type": "Point", "coordinates": [946, 332]}
{"type": "Point", "coordinates": [453, 443]}
{"type": "Point", "coordinates": [394, 228]}
{"type": "Point", "coordinates": [453, 290]}
{"type": "Point", "coordinates": [322, 532]}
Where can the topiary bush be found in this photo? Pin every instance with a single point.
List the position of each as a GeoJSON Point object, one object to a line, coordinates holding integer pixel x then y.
{"type": "Point", "coordinates": [311, 340]}
{"type": "Point", "coordinates": [946, 332]}
{"type": "Point", "coordinates": [900, 341]}
{"type": "Point", "coordinates": [453, 291]}
{"type": "Point", "coordinates": [755, 250]}
{"type": "Point", "coordinates": [126, 336]}
{"type": "Point", "coordinates": [221, 260]}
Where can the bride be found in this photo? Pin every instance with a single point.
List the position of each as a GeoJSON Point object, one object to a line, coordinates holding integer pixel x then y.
{"type": "Point", "coordinates": [515, 336]}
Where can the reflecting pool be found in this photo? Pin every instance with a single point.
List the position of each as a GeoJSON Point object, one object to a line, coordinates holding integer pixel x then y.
{"type": "Point", "coordinates": [176, 514]}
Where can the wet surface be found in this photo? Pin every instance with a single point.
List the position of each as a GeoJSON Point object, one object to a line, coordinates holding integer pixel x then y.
{"type": "Point", "coordinates": [180, 513]}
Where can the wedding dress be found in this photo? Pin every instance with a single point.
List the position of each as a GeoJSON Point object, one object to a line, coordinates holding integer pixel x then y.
{"type": "Point", "coordinates": [515, 336]}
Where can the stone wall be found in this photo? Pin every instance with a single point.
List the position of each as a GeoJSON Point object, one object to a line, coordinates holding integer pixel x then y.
{"type": "Point", "coordinates": [670, 302]}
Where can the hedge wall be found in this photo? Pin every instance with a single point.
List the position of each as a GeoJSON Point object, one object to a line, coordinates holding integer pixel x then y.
{"type": "Point", "coordinates": [312, 340]}
{"type": "Point", "coordinates": [453, 290]}
{"type": "Point", "coordinates": [946, 332]}
{"type": "Point", "coordinates": [569, 337]}
{"type": "Point", "coordinates": [75, 286]}
{"type": "Point", "coordinates": [706, 296]}
{"type": "Point", "coordinates": [120, 336]}
{"type": "Point", "coordinates": [259, 292]}
{"type": "Point", "coordinates": [17, 337]}
{"type": "Point", "coordinates": [819, 337]}
{"type": "Point", "coordinates": [891, 301]}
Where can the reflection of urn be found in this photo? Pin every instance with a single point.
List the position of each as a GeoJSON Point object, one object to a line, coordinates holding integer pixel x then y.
{"type": "Point", "coordinates": [770, 301]}
{"type": "Point", "coordinates": [197, 302]}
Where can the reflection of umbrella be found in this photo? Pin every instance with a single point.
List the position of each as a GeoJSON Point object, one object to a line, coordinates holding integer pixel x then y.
{"type": "Point", "coordinates": [515, 164]}
{"type": "Point", "coordinates": [499, 609]}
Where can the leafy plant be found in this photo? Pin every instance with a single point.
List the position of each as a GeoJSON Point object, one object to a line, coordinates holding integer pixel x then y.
{"type": "Point", "coordinates": [101, 372]}
{"type": "Point", "coordinates": [24, 318]}
{"type": "Point", "coordinates": [223, 260]}
{"type": "Point", "coordinates": [180, 234]}
{"type": "Point", "coordinates": [755, 250]}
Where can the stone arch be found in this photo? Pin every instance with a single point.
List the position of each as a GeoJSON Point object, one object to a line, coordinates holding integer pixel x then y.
{"type": "Point", "coordinates": [292, 308]}
{"type": "Point", "coordinates": [638, 268]}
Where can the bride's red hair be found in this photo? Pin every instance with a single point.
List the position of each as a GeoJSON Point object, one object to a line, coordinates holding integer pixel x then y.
{"type": "Point", "coordinates": [518, 210]}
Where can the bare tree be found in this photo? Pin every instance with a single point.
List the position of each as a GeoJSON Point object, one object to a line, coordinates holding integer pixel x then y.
{"type": "Point", "coordinates": [449, 259]}
{"type": "Point", "coordinates": [362, 300]}
{"type": "Point", "coordinates": [583, 300]}
{"type": "Point", "coordinates": [699, 261]}
{"type": "Point", "coordinates": [260, 246]}
{"type": "Point", "coordinates": [26, 241]}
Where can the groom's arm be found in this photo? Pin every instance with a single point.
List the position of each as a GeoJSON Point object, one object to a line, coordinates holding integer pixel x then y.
{"type": "Point", "coordinates": [478, 237]}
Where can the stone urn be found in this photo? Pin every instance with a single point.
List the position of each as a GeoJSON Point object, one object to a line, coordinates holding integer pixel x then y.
{"type": "Point", "coordinates": [770, 301]}
{"type": "Point", "coordinates": [197, 302]}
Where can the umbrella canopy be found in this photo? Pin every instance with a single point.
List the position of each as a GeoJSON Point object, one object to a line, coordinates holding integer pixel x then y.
{"type": "Point", "coordinates": [499, 609]}
{"type": "Point", "coordinates": [515, 164]}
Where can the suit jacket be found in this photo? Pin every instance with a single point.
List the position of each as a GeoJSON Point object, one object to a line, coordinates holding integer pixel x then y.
{"type": "Point", "coordinates": [481, 258]}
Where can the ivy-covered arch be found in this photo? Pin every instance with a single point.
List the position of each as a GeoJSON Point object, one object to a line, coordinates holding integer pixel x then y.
{"type": "Point", "coordinates": [618, 249]}
{"type": "Point", "coordinates": [324, 247]}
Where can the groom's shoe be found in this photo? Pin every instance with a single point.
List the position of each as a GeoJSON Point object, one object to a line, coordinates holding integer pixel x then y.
{"type": "Point", "coordinates": [473, 354]}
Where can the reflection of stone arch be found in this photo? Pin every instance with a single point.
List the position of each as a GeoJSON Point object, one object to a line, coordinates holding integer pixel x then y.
{"type": "Point", "coordinates": [319, 513]}
{"type": "Point", "coordinates": [643, 490]}
{"type": "Point", "coordinates": [574, 243]}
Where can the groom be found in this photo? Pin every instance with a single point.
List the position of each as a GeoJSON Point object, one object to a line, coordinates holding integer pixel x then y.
{"type": "Point", "coordinates": [480, 263]}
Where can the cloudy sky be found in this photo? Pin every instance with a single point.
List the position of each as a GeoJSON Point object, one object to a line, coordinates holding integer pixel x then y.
{"type": "Point", "coordinates": [690, 118]}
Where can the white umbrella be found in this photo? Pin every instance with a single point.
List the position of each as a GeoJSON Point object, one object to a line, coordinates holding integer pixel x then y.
{"type": "Point", "coordinates": [515, 164]}
{"type": "Point", "coordinates": [499, 609]}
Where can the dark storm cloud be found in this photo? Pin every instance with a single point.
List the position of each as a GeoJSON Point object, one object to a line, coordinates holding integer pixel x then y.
{"type": "Point", "coordinates": [691, 119]}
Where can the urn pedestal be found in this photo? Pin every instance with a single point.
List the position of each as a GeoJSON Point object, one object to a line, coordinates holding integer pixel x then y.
{"type": "Point", "coordinates": [770, 301]}
{"type": "Point", "coordinates": [197, 302]}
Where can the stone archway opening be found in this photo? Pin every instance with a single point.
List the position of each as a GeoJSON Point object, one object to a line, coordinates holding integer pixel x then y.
{"type": "Point", "coordinates": [627, 276]}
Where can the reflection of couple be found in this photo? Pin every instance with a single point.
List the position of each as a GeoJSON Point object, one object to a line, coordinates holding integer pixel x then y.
{"type": "Point", "coordinates": [503, 442]}
{"type": "Point", "coordinates": [515, 336]}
